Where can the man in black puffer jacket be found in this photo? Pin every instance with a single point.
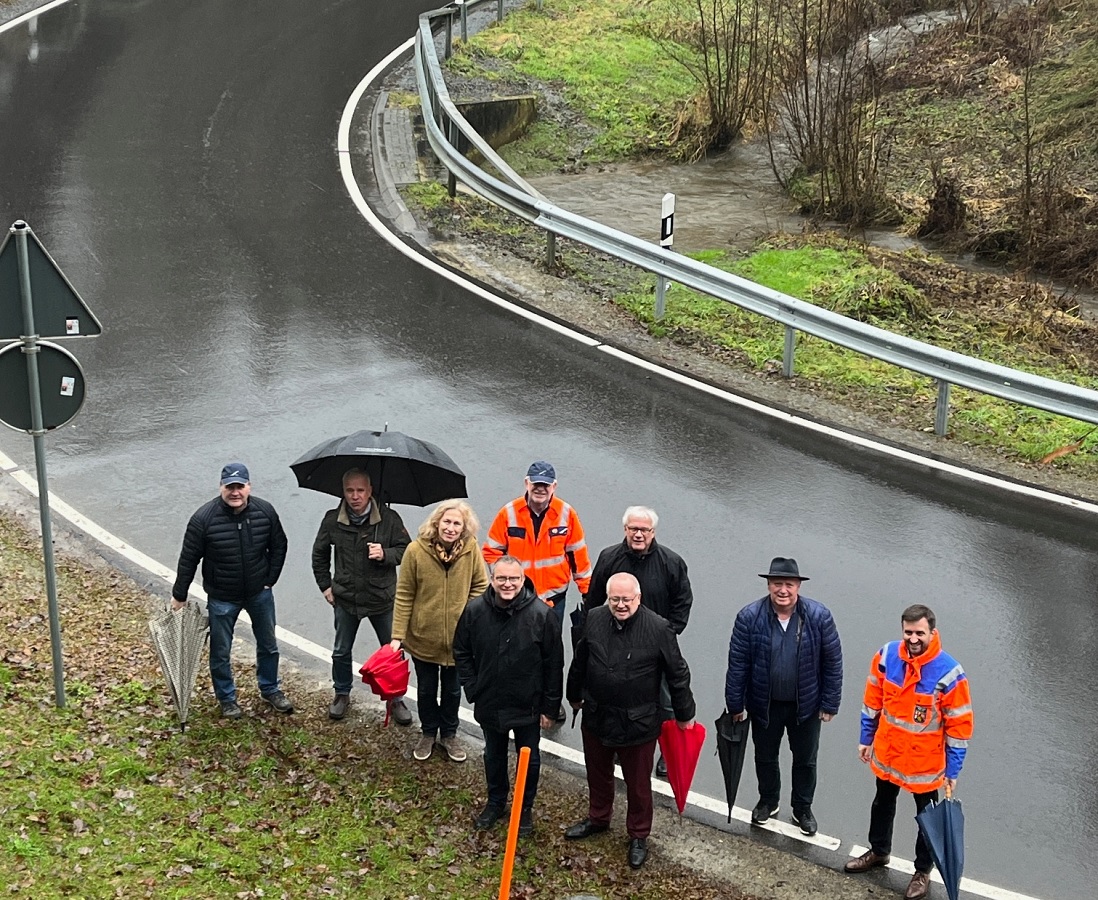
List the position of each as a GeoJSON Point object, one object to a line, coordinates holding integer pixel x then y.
{"type": "Point", "coordinates": [615, 678]}
{"type": "Point", "coordinates": [510, 660]}
{"type": "Point", "coordinates": [240, 542]}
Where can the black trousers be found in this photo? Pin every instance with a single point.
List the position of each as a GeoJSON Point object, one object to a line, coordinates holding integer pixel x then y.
{"type": "Point", "coordinates": [804, 742]}
{"type": "Point", "coordinates": [882, 815]}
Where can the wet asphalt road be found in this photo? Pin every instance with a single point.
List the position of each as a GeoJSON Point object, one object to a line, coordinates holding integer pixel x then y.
{"type": "Point", "coordinates": [178, 160]}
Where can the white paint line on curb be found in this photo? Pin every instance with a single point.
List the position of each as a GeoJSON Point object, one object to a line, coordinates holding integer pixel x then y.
{"type": "Point", "coordinates": [33, 14]}
{"type": "Point", "coordinates": [979, 888]}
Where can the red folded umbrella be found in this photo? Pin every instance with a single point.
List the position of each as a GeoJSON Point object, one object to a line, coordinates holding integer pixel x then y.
{"type": "Point", "coordinates": [681, 751]}
{"type": "Point", "coordinates": [387, 673]}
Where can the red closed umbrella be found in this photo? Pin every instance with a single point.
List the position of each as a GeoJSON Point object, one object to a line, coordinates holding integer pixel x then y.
{"type": "Point", "coordinates": [387, 673]}
{"type": "Point", "coordinates": [681, 749]}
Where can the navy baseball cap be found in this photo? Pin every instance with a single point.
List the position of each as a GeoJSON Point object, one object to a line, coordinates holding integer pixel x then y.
{"type": "Point", "coordinates": [541, 472]}
{"type": "Point", "coordinates": [235, 473]}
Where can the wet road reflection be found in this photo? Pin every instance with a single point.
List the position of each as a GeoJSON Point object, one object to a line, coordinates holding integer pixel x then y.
{"type": "Point", "coordinates": [179, 163]}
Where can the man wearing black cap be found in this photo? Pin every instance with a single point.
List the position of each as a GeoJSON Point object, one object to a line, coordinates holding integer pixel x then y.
{"type": "Point", "coordinates": [545, 534]}
{"type": "Point", "coordinates": [785, 669]}
{"type": "Point", "coordinates": [242, 547]}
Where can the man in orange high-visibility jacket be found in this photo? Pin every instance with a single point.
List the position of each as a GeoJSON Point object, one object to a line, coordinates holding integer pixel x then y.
{"type": "Point", "coordinates": [545, 534]}
{"type": "Point", "coordinates": [916, 725]}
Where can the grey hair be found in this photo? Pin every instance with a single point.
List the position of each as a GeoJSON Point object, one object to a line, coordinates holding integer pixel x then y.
{"type": "Point", "coordinates": [508, 560]}
{"type": "Point", "coordinates": [356, 473]}
{"type": "Point", "coordinates": [641, 512]}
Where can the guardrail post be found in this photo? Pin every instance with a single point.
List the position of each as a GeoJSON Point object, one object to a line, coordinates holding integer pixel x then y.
{"type": "Point", "coordinates": [941, 409]}
{"type": "Point", "coordinates": [464, 21]}
{"type": "Point", "coordinates": [449, 49]}
{"type": "Point", "coordinates": [550, 251]}
{"type": "Point", "coordinates": [499, 10]}
{"type": "Point", "coordinates": [787, 351]}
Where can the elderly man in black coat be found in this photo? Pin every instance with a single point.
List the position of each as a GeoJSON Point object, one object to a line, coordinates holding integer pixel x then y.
{"type": "Point", "coordinates": [510, 660]}
{"type": "Point", "coordinates": [615, 678]}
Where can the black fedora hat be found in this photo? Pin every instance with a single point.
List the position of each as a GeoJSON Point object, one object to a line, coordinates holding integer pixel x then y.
{"type": "Point", "coordinates": [781, 567]}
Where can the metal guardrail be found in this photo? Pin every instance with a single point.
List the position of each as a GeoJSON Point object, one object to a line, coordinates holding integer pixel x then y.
{"type": "Point", "coordinates": [443, 121]}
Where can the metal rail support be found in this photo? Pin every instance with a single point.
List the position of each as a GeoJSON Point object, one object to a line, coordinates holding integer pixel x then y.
{"type": "Point", "coordinates": [464, 21]}
{"type": "Point", "coordinates": [550, 251]}
{"type": "Point", "coordinates": [941, 409]}
{"type": "Point", "coordinates": [787, 351]}
{"type": "Point", "coordinates": [451, 178]}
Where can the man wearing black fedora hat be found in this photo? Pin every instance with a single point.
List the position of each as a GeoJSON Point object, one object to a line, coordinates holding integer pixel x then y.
{"type": "Point", "coordinates": [785, 670]}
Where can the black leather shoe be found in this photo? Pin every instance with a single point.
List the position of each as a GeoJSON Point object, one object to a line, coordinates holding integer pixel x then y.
{"type": "Point", "coordinates": [661, 767]}
{"type": "Point", "coordinates": [584, 829]}
{"type": "Point", "coordinates": [526, 823]}
{"type": "Point", "coordinates": [488, 817]}
{"type": "Point", "coordinates": [806, 820]}
{"type": "Point", "coordinates": [762, 812]}
{"type": "Point", "coordinates": [638, 852]}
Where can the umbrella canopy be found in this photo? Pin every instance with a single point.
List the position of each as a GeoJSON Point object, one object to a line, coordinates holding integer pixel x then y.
{"type": "Point", "coordinates": [681, 749]}
{"type": "Point", "coordinates": [943, 828]}
{"type": "Point", "coordinates": [731, 750]}
{"type": "Point", "coordinates": [402, 469]}
{"type": "Point", "coordinates": [179, 636]}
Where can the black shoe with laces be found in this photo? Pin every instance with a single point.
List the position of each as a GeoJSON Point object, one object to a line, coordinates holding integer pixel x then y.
{"type": "Point", "coordinates": [806, 821]}
{"type": "Point", "coordinates": [488, 817]}
{"type": "Point", "coordinates": [279, 701]}
{"type": "Point", "coordinates": [762, 812]}
{"type": "Point", "coordinates": [526, 823]}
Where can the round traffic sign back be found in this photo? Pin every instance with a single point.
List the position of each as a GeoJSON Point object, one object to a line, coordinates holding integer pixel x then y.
{"type": "Point", "coordinates": [60, 382]}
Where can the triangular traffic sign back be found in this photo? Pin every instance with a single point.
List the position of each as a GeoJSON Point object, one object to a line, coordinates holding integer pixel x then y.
{"type": "Point", "coordinates": [58, 310]}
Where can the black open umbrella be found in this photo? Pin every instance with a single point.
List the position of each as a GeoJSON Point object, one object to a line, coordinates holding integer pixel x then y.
{"type": "Point", "coordinates": [402, 469]}
{"type": "Point", "coordinates": [943, 828]}
{"type": "Point", "coordinates": [731, 750]}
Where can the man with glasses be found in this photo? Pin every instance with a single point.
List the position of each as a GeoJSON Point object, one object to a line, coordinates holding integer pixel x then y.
{"type": "Point", "coordinates": [239, 540]}
{"type": "Point", "coordinates": [510, 660]}
{"type": "Point", "coordinates": [546, 536]}
{"type": "Point", "coordinates": [615, 679]}
{"type": "Point", "coordinates": [664, 582]}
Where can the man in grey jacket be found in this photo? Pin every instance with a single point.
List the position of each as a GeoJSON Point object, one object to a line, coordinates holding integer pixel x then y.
{"type": "Point", "coordinates": [369, 541]}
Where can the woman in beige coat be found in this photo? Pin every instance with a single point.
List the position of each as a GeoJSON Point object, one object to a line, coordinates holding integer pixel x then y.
{"type": "Point", "coordinates": [442, 570]}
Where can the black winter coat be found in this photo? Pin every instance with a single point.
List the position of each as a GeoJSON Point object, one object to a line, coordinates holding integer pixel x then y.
{"type": "Point", "coordinates": [241, 553]}
{"type": "Point", "coordinates": [616, 673]}
{"type": "Point", "coordinates": [510, 659]}
{"type": "Point", "coordinates": [362, 586]}
{"type": "Point", "coordinates": [665, 586]}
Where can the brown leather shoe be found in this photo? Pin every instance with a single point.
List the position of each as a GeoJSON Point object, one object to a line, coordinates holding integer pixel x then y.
{"type": "Point", "coordinates": [865, 862]}
{"type": "Point", "coordinates": [919, 887]}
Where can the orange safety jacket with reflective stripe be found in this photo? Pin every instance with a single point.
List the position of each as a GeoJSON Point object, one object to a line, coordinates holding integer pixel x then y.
{"type": "Point", "coordinates": [558, 555]}
{"type": "Point", "coordinates": [916, 716]}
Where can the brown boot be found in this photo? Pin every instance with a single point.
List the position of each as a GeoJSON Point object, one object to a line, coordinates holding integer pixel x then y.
{"type": "Point", "coordinates": [865, 862]}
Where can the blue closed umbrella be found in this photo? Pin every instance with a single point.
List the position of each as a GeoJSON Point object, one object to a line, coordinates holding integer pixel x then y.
{"type": "Point", "coordinates": [943, 828]}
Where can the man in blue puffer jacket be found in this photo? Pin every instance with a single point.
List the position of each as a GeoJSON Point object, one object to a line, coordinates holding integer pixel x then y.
{"type": "Point", "coordinates": [785, 670]}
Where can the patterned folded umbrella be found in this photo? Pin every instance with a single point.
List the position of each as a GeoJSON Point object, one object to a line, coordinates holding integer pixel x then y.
{"type": "Point", "coordinates": [179, 636]}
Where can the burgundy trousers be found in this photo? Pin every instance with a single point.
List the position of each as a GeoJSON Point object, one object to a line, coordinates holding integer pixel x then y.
{"type": "Point", "coordinates": [636, 767]}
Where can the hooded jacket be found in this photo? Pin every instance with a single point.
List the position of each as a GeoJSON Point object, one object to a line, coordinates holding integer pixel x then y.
{"type": "Point", "coordinates": [916, 716]}
{"type": "Point", "coordinates": [665, 586]}
{"type": "Point", "coordinates": [360, 585]}
{"type": "Point", "coordinates": [241, 553]}
{"type": "Point", "coordinates": [819, 661]}
{"type": "Point", "coordinates": [431, 596]}
{"type": "Point", "coordinates": [510, 659]}
{"type": "Point", "coordinates": [616, 672]}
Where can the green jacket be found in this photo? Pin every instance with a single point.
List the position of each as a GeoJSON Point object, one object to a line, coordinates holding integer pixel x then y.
{"type": "Point", "coordinates": [431, 597]}
{"type": "Point", "coordinates": [360, 585]}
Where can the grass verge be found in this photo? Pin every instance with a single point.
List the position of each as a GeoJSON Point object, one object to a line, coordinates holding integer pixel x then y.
{"type": "Point", "coordinates": [106, 798]}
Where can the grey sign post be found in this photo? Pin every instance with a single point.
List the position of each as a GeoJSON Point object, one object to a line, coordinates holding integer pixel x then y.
{"type": "Point", "coordinates": [53, 378]}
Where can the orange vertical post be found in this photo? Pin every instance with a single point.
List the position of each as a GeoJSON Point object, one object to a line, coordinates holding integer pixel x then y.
{"type": "Point", "coordinates": [513, 827]}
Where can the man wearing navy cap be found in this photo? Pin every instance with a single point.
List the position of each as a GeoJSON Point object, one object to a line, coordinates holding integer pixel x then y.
{"type": "Point", "coordinates": [785, 669]}
{"type": "Point", "coordinates": [240, 542]}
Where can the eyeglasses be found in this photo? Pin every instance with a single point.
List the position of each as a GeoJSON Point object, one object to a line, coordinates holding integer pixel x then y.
{"type": "Point", "coordinates": [620, 601]}
{"type": "Point", "coordinates": [509, 579]}
{"type": "Point", "coordinates": [639, 529]}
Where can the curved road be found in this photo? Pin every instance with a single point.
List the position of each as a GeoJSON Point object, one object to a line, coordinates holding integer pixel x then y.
{"type": "Point", "coordinates": [178, 160]}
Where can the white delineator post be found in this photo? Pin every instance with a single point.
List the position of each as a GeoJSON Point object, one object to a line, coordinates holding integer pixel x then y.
{"type": "Point", "coordinates": [667, 239]}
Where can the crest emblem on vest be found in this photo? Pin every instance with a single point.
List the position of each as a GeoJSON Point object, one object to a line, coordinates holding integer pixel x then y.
{"type": "Point", "coordinates": [920, 715]}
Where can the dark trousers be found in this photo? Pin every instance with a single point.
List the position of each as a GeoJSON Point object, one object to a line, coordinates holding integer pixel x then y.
{"type": "Point", "coordinates": [804, 741]}
{"type": "Point", "coordinates": [495, 763]}
{"type": "Point", "coordinates": [636, 767]}
{"type": "Point", "coordinates": [346, 630]}
{"type": "Point", "coordinates": [883, 813]}
{"type": "Point", "coordinates": [437, 718]}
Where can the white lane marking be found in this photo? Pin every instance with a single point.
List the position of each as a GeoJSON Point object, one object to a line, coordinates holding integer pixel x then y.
{"type": "Point", "coordinates": [351, 183]}
{"type": "Point", "coordinates": [979, 888]}
{"type": "Point", "coordinates": [34, 13]}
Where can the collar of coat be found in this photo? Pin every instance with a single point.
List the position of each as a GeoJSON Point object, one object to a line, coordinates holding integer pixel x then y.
{"type": "Point", "coordinates": [344, 517]}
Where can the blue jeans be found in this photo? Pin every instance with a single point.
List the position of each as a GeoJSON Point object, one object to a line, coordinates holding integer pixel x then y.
{"type": "Point", "coordinates": [223, 615]}
{"type": "Point", "coordinates": [437, 719]}
{"type": "Point", "coordinates": [346, 630]}
{"type": "Point", "coordinates": [495, 763]}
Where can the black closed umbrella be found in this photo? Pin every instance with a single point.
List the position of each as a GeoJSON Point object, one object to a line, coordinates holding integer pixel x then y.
{"type": "Point", "coordinates": [402, 469]}
{"type": "Point", "coordinates": [731, 750]}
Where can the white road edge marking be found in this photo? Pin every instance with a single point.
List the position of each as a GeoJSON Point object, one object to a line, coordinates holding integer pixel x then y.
{"type": "Point", "coordinates": [979, 888]}
{"type": "Point", "coordinates": [34, 13]}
